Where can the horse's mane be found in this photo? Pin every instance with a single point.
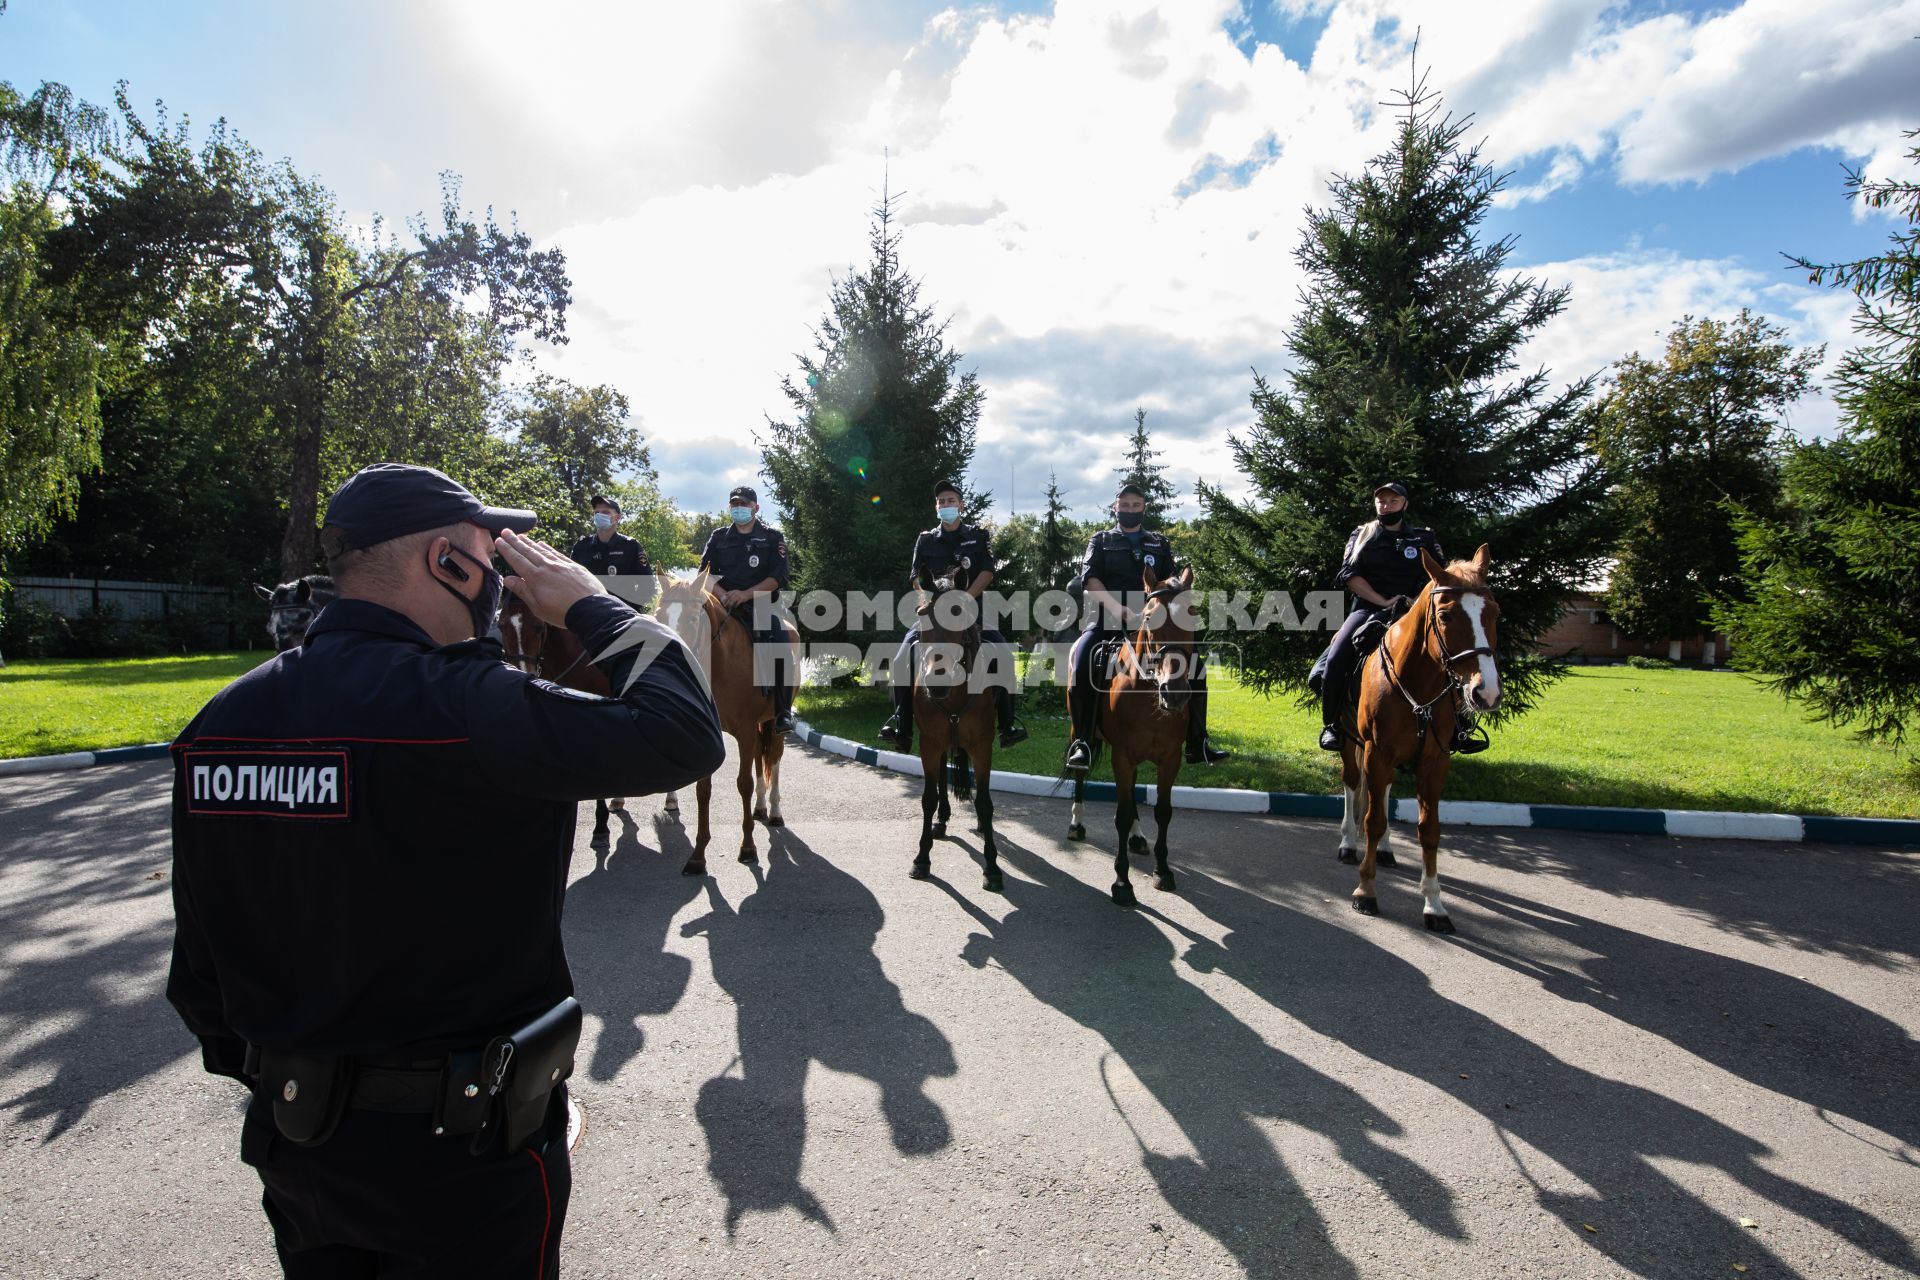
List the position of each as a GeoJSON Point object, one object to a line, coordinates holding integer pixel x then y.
{"type": "Point", "coordinates": [1467, 574]}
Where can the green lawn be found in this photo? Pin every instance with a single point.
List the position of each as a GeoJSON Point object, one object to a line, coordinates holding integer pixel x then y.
{"type": "Point", "coordinates": [1603, 736]}
{"type": "Point", "coordinates": [47, 707]}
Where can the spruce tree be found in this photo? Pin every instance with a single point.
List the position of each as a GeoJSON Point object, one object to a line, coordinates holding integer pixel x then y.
{"type": "Point", "coordinates": [1833, 616]}
{"type": "Point", "coordinates": [881, 411]}
{"type": "Point", "coordinates": [1059, 545]}
{"type": "Point", "coordinates": [1406, 352]}
{"type": "Point", "coordinates": [1149, 475]}
{"type": "Point", "coordinates": [1686, 438]}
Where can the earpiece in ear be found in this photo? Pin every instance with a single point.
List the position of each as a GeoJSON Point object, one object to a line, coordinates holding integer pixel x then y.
{"type": "Point", "coordinates": [452, 566]}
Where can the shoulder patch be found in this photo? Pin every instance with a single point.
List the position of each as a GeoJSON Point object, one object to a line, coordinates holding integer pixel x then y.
{"type": "Point", "coordinates": [269, 784]}
{"type": "Point", "coordinates": [553, 690]}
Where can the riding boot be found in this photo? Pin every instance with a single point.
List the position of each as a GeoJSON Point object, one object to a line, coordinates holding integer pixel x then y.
{"type": "Point", "coordinates": [1468, 737]}
{"type": "Point", "coordinates": [1012, 733]}
{"type": "Point", "coordinates": [1080, 712]}
{"type": "Point", "coordinates": [1199, 750]}
{"type": "Point", "coordinates": [1332, 693]}
{"type": "Point", "coordinates": [899, 730]}
{"type": "Point", "coordinates": [782, 698]}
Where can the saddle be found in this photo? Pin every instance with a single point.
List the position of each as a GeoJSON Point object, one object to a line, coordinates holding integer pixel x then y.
{"type": "Point", "coordinates": [1366, 638]}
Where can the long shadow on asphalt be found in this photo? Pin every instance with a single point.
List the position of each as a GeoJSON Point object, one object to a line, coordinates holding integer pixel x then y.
{"type": "Point", "coordinates": [1113, 972]}
{"type": "Point", "coordinates": [1351, 988]}
{"type": "Point", "coordinates": [796, 955]}
{"type": "Point", "coordinates": [617, 920]}
{"type": "Point", "coordinates": [78, 1000]}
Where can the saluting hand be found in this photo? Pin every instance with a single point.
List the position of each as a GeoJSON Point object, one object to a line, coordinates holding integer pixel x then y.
{"type": "Point", "coordinates": [549, 583]}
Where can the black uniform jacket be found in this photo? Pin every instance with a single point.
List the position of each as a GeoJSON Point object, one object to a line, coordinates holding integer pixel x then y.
{"type": "Point", "coordinates": [371, 833]}
{"type": "Point", "coordinates": [1120, 567]}
{"type": "Point", "coordinates": [745, 560]}
{"type": "Point", "coordinates": [619, 557]}
{"type": "Point", "coordinates": [1390, 560]}
{"type": "Point", "coordinates": [964, 552]}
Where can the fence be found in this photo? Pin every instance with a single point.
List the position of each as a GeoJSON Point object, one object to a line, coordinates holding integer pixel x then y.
{"type": "Point", "coordinates": [138, 602]}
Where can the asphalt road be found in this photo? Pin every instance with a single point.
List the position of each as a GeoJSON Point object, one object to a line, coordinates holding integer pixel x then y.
{"type": "Point", "coordinates": [1632, 1048]}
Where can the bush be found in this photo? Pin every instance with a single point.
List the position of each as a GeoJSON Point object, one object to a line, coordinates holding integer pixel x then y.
{"type": "Point", "coordinates": [29, 629]}
{"type": "Point", "coordinates": [1649, 664]}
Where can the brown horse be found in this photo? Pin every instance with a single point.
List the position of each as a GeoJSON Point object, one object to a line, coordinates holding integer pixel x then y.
{"type": "Point", "coordinates": [724, 646]}
{"type": "Point", "coordinates": [955, 718]}
{"type": "Point", "coordinates": [1144, 719]}
{"type": "Point", "coordinates": [1441, 650]}
{"type": "Point", "coordinates": [552, 653]}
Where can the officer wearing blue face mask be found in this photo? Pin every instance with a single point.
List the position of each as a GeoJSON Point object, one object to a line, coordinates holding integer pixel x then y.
{"type": "Point", "coordinates": [611, 554]}
{"type": "Point", "coordinates": [748, 559]}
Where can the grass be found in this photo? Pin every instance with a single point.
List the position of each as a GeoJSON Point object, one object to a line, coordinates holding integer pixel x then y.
{"type": "Point", "coordinates": [1602, 736]}
{"type": "Point", "coordinates": [48, 707]}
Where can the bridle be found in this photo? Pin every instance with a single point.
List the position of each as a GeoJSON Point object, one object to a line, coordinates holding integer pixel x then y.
{"type": "Point", "coordinates": [969, 642]}
{"type": "Point", "coordinates": [1435, 647]}
{"type": "Point", "coordinates": [1166, 593]}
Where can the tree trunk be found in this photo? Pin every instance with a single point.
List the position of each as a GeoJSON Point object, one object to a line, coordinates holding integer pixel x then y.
{"type": "Point", "coordinates": [298, 547]}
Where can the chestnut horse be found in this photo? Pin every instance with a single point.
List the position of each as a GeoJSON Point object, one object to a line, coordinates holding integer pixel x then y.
{"type": "Point", "coordinates": [724, 646]}
{"type": "Point", "coordinates": [1144, 719]}
{"type": "Point", "coordinates": [1441, 650]}
{"type": "Point", "coordinates": [552, 653]}
{"type": "Point", "coordinates": [954, 714]}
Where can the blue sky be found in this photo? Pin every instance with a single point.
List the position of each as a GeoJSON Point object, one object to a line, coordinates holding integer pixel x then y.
{"type": "Point", "coordinates": [1104, 194]}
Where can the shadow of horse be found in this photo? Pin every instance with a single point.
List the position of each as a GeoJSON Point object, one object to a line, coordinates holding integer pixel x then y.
{"type": "Point", "coordinates": [1222, 1084]}
{"type": "Point", "coordinates": [796, 956]}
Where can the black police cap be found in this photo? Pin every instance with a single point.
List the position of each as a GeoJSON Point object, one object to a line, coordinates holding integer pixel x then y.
{"type": "Point", "coordinates": [742, 494]}
{"type": "Point", "coordinates": [1133, 489]}
{"type": "Point", "coordinates": [602, 500]}
{"type": "Point", "coordinates": [392, 499]}
{"type": "Point", "coordinates": [1393, 486]}
{"type": "Point", "coordinates": [946, 486]}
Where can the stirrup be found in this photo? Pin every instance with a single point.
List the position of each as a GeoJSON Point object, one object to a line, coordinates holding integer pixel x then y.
{"type": "Point", "coordinates": [1470, 740]}
{"type": "Point", "coordinates": [1013, 735]}
{"type": "Point", "coordinates": [783, 721]}
{"type": "Point", "coordinates": [1205, 753]}
{"type": "Point", "coordinates": [1079, 754]}
{"type": "Point", "coordinates": [1330, 738]}
{"type": "Point", "coordinates": [890, 731]}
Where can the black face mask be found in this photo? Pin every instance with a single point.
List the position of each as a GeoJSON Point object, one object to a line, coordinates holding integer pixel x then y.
{"type": "Point", "coordinates": [1129, 520]}
{"type": "Point", "coordinates": [484, 607]}
{"type": "Point", "coordinates": [1393, 521]}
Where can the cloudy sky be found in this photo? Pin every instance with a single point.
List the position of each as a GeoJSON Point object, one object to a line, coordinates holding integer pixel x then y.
{"type": "Point", "coordinates": [1104, 195]}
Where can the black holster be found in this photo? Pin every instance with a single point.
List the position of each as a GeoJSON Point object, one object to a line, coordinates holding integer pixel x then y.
{"type": "Point", "coordinates": [520, 1071]}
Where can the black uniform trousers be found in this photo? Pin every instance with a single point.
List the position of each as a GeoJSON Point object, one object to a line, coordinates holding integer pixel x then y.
{"type": "Point", "coordinates": [383, 1197]}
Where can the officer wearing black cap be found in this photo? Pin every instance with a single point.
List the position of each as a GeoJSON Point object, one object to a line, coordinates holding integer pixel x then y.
{"type": "Point", "coordinates": [1117, 559]}
{"type": "Point", "coordinates": [611, 554]}
{"type": "Point", "coordinates": [1381, 570]}
{"type": "Point", "coordinates": [964, 552]}
{"type": "Point", "coordinates": [750, 559]}
{"type": "Point", "coordinates": [371, 840]}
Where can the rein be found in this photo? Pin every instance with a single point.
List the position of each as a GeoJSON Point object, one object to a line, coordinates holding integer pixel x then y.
{"type": "Point", "coordinates": [1142, 641]}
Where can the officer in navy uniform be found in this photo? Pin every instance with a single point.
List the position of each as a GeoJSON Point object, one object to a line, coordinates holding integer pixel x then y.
{"type": "Point", "coordinates": [1116, 560]}
{"type": "Point", "coordinates": [951, 548]}
{"type": "Point", "coordinates": [611, 554]}
{"type": "Point", "coordinates": [750, 559]}
{"type": "Point", "coordinates": [371, 838]}
{"type": "Point", "coordinates": [1381, 569]}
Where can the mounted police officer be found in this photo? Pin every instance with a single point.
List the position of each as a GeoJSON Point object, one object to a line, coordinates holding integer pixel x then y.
{"type": "Point", "coordinates": [749, 559]}
{"type": "Point", "coordinates": [954, 549]}
{"type": "Point", "coordinates": [608, 553]}
{"type": "Point", "coordinates": [1117, 560]}
{"type": "Point", "coordinates": [1381, 571]}
{"type": "Point", "coordinates": [371, 839]}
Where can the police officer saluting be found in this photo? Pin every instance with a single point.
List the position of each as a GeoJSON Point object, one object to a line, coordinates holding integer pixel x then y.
{"type": "Point", "coordinates": [961, 551]}
{"type": "Point", "coordinates": [371, 839]}
{"type": "Point", "coordinates": [1381, 570]}
{"type": "Point", "coordinates": [611, 554]}
{"type": "Point", "coordinates": [750, 559]}
{"type": "Point", "coordinates": [1116, 562]}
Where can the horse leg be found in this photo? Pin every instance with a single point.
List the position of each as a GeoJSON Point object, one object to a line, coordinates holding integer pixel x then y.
{"type": "Point", "coordinates": [983, 811]}
{"type": "Point", "coordinates": [1432, 781]}
{"type": "Point", "coordinates": [743, 783]}
{"type": "Point", "coordinates": [1355, 783]}
{"type": "Point", "coordinates": [599, 821]}
{"type": "Point", "coordinates": [946, 810]}
{"type": "Point", "coordinates": [1126, 817]}
{"type": "Point", "coordinates": [702, 801]}
{"type": "Point", "coordinates": [1379, 781]}
{"type": "Point", "coordinates": [759, 783]}
{"type": "Point", "coordinates": [673, 802]}
{"type": "Point", "coordinates": [1077, 825]}
{"type": "Point", "coordinates": [929, 800]}
{"type": "Point", "coordinates": [1165, 774]}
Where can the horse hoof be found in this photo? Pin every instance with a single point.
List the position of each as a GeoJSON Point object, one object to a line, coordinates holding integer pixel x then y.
{"type": "Point", "coordinates": [600, 837]}
{"type": "Point", "coordinates": [776, 821]}
{"type": "Point", "coordinates": [1139, 847]}
{"type": "Point", "coordinates": [993, 883]}
{"type": "Point", "coordinates": [1164, 883]}
{"type": "Point", "coordinates": [1077, 831]}
{"type": "Point", "coordinates": [694, 867]}
{"type": "Point", "coordinates": [673, 805]}
{"type": "Point", "coordinates": [939, 830]}
{"type": "Point", "coordinates": [1367, 906]}
{"type": "Point", "coordinates": [760, 812]}
{"type": "Point", "coordinates": [1385, 857]}
{"type": "Point", "coordinates": [1123, 894]}
{"type": "Point", "coordinates": [1438, 924]}
{"type": "Point", "coordinates": [751, 857]}
{"type": "Point", "coordinates": [616, 805]}
{"type": "Point", "coordinates": [1350, 857]}
{"type": "Point", "coordinates": [921, 871]}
